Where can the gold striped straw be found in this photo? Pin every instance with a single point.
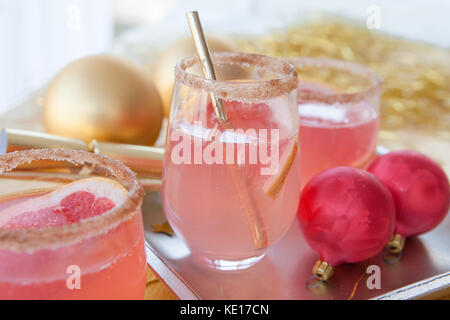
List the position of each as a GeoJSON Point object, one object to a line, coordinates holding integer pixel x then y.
{"type": "Point", "coordinates": [254, 218]}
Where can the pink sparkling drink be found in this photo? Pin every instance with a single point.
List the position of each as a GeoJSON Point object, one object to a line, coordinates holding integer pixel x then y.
{"type": "Point", "coordinates": [338, 104]}
{"type": "Point", "coordinates": [200, 197]}
{"type": "Point", "coordinates": [87, 245]}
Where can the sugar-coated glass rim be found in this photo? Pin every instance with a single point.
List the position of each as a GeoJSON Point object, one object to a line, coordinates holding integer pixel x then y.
{"type": "Point", "coordinates": [373, 88]}
{"type": "Point", "coordinates": [257, 90]}
{"type": "Point", "coordinates": [29, 240]}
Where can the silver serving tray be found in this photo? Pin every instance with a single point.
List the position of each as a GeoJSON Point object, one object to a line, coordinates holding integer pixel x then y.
{"type": "Point", "coordinates": [422, 272]}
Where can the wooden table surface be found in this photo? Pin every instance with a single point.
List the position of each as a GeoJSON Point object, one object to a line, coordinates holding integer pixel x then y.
{"type": "Point", "coordinates": [435, 144]}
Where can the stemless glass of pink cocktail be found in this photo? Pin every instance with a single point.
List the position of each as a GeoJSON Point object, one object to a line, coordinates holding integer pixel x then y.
{"type": "Point", "coordinates": [338, 104]}
{"type": "Point", "coordinates": [230, 190]}
{"type": "Point", "coordinates": [64, 237]}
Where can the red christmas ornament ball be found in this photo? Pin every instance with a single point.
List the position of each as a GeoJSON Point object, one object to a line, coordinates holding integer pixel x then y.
{"type": "Point", "coordinates": [346, 215]}
{"type": "Point", "coordinates": [420, 189]}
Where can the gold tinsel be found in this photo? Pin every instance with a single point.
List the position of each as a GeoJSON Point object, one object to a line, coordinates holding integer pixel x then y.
{"type": "Point", "coordinates": [416, 76]}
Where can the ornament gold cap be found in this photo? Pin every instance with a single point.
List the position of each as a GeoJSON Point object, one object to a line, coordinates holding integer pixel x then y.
{"type": "Point", "coordinates": [396, 244]}
{"type": "Point", "coordinates": [322, 270]}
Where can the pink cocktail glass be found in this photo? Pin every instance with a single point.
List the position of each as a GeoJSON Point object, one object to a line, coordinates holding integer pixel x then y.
{"type": "Point", "coordinates": [221, 191]}
{"type": "Point", "coordinates": [81, 247]}
{"type": "Point", "coordinates": [339, 107]}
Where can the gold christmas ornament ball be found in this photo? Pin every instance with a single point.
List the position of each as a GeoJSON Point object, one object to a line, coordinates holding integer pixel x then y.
{"type": "Point", "coordinates": [164, 67]}
{"type": "Point", "coordinates": [104, 98]}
